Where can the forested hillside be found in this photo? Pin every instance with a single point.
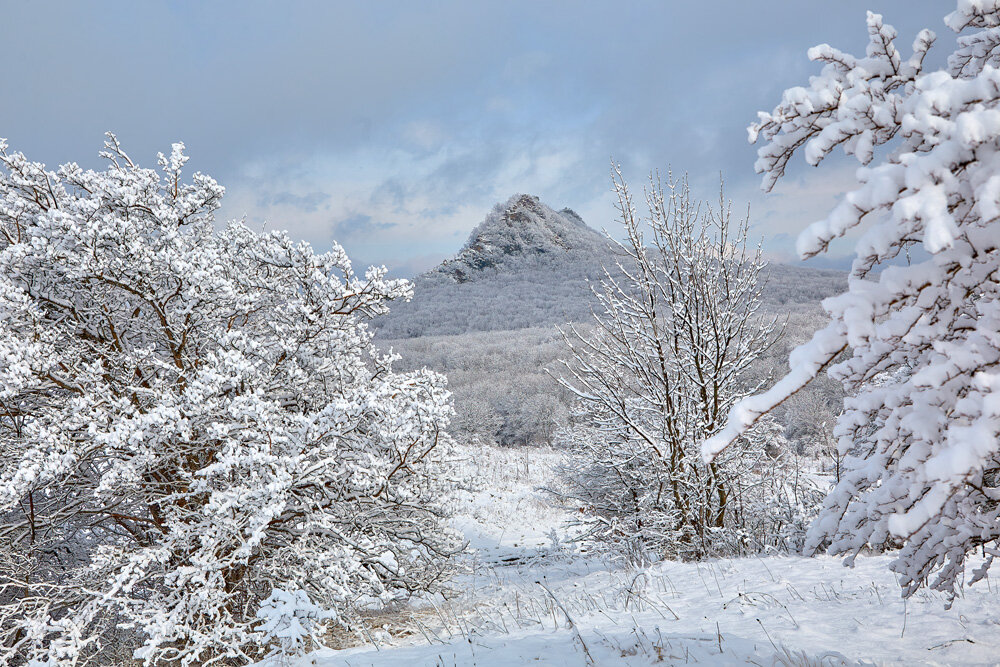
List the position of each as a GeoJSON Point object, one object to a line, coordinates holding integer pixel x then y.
{"type": "Point", "coordinates": [528, 265]}
{"type": "Point", "coordinates": [488, 320]}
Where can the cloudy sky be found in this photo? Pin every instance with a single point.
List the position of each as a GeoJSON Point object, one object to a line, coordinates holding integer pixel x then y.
{"type": "Point", "coordinates": [393, 127]}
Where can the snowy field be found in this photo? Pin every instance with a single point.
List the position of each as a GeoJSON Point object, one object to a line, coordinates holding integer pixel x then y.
{"type": "Point", "coordinates": [529, 597]}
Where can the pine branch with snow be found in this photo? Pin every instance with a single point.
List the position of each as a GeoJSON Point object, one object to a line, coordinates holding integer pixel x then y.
{"type": "Point", "coordinates": [921, 423]}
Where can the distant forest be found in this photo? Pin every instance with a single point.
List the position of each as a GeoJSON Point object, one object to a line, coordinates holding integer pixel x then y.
{"type": "Point", "coordinates": [546, 286]}
{"type": "Point", "coordinates": [489, 319]}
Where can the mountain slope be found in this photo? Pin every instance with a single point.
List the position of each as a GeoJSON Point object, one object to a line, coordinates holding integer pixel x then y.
{"type": "Point", "coordinates": [528, 265]}
{"type": "Point", "coordinates": [522, 228]}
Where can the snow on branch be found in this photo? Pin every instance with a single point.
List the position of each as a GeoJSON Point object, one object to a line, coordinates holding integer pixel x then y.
{"type": "Point", "coordinates": [193, 424]}
{"type": "Point", "coordinates": [918, 332]}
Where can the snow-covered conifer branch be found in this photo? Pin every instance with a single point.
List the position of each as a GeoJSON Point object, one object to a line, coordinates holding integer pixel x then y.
{"type": "Point", "coordinates": [921, 423]}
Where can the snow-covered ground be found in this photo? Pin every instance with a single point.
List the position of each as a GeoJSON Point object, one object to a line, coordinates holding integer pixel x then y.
{"type": "Point", "coordinates": [529, 599]}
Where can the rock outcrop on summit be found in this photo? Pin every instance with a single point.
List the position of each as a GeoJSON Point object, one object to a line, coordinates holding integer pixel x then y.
{"type": "Point", "coordinates": [522, 227]}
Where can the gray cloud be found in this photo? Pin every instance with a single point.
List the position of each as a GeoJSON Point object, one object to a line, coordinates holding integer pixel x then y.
{"type": "Point", "coordinates": [309, 202]}
{"type": "Point", "coordinates": [423, 114]}
{"type": "Point", "coordinates": [358, 225]}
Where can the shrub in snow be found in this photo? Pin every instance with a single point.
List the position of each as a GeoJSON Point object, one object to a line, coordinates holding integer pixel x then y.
{"type": "Point", "coordinates": [678, 329]}
{"type": "Point", "coordinates": [921, 424]}
{"type": "Point", "coordinates": [292, 620]}
{"type": "Point", "coordinates": [192, 421]}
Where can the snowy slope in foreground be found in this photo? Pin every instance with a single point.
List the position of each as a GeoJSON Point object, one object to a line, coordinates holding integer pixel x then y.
{"type": "Point", "coordinates": [758, 611]}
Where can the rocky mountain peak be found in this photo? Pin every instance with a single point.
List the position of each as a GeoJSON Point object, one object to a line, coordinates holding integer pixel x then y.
{"type": "Point", "coordinates": [522, 227]}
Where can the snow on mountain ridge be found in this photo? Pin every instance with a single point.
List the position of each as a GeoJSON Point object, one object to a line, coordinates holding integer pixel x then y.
{"type": "Point", "coordinates": [521, 227]}
{"type": "Point", "coordinates": [528, 265]}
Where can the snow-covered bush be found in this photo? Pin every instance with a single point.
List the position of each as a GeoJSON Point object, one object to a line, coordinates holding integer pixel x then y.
{"type": "Point", "coordinates": [922, 418]}
{"type": "Point", "coordinates": [192, 419]}
{"type": "Point", "coordinates": [292, 620]}
{"type": "Point", "coordinates": [781, 495]}
{"type": "Point", "coordinates": [678, 330]}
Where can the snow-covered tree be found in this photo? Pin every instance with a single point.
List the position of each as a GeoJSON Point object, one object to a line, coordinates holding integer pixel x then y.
{"type": "Point", "coordinates": [677, 329]}
{"type": "Point", "coordinates": [193, 422]}
{"type": "Point", "coordinates": [922, 336]}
